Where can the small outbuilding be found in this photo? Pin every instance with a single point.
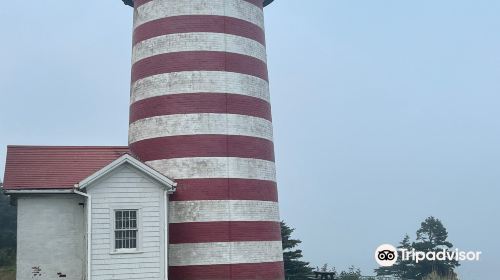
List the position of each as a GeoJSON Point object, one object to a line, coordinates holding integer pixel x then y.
{"type": "Point", "coordinates": [88, 211]}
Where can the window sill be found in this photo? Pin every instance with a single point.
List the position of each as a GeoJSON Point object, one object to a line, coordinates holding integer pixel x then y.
{"type": "Point", "coordinates": [125, 251]}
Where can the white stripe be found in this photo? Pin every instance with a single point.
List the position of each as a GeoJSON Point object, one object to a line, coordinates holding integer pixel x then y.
{"type": "Point", "coordinates": [203, 123]}
{"type": "Point", "coordinates": [239, 9]}
{"type": "Point", "coordinates": [198, 41]}
{"type": "Point", "coordinates": [200, 81]}
{"type": "Point", "coordinates": [225, 253]}
{"type": "Point", "coordinates": [216, 167]}
{"type": "Point", "coordinates": [223, 210]}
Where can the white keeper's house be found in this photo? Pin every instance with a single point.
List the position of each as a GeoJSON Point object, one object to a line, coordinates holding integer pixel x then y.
{"type": "Point", "coordinates": [66, 194]}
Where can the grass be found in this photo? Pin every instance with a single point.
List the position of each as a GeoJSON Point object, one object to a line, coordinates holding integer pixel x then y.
{"type": "Point", "coordinates": [7, 273]}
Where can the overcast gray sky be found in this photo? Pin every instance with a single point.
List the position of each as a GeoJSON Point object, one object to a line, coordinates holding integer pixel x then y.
{"type": "Point", "coordinates": [385, 112]}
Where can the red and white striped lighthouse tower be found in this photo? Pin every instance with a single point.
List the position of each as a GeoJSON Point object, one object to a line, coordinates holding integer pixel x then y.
{"type": "Point", "coordinates": [200, 114]}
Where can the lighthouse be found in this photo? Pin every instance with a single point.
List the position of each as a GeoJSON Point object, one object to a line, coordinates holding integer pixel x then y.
{"type": "Point", "coordinates": [200, 114]}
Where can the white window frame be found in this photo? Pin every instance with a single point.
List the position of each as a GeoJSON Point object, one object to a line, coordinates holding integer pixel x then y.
{"type": "Point", "coordinates": [138, 244]}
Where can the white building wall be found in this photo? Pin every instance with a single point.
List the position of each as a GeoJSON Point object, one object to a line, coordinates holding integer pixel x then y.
{"type": "Point", "coordinates": [51, 237]}
{"type": "Point", "coordinates": [127, 188]}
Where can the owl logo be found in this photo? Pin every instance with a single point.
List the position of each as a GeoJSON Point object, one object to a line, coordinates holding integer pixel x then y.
{"type": "Point", "coordinates": [386, 255]}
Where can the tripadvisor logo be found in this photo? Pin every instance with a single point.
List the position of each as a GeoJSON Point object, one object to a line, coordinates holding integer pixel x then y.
{"type": "Point", "coordinates": [387, 255]}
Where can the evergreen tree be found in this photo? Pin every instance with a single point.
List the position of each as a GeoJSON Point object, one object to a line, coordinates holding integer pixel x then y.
{"type": "Point", "coordinates": [325, 268]}
{"type": "Point", "coordinates": [352, 273]}
{"type": "Point", "coordinates": [432, 237]}
{"type": "Point", "coordinates": [295, 269]}
{"type": "Point", "coordinates": [402, 269]}
{"type": "Point", "coordinates": [7, 231]}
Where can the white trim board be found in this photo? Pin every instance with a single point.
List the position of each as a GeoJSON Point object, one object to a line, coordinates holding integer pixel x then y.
{"type": "Point", "coordinates": [126, 158]}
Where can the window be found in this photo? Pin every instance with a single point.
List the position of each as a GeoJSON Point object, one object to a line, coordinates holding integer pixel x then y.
{"type": "Point", "coordinates": [125, 229]}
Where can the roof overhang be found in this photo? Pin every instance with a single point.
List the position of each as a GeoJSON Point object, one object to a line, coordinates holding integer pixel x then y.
{"type": "Point", "coordinates": [128, 159]}
{"type": "Point", "coordinates": [37, 191]}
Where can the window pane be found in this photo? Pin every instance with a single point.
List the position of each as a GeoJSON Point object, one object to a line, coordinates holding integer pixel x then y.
{"type": "Point", "coordinates": [118, 240]}
{"type": "Point", "coordinates": [125, 229]}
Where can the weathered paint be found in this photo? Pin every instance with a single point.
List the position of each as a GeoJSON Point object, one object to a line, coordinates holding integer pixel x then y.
{"type": "Point", "coordinates": [50, 237]}
{"type": "Point", "coordinates": [127, 188]}
{"type": "Point", "coordinates": [239, 9]}
{"type": "Point", "coordinates": [222, 210]}
{"type": "Point", "coordinates": [225, 253]}
{"type": "Point", "coordinates": [138, 3]}
{"type": "Point", "coordinates": [198, 23]}
{"type": "Point", "coordinates": [200, 82]}
{"type": "Point", "coordinates": [200, 114]}
{"type": "Point", "coordinates": [184, 42]}
{"type": "Point", "coordinates": [201, 123]}
{"type": "Point", "coordinates": [216, 167]}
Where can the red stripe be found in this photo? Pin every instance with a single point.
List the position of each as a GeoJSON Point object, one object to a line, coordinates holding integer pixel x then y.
{"type": "Point", "coordinates": [199, 61]}
{"type": "Point", "coordinates": [138, 3]}
{"type": "Point", "coordinates": [258, 3]}
{"type": "Point", "coordinates": [191, 103]}
{"type": "Point", "coordinates": [225, 189]}
{"type": "Point", "coordinates": [198, 23]}
{"type": "Point", "coordinates": [247, 271]}
{"type": "Point", "coordinates": [224, 232]}
{"type": "Point", "coordinates": [203, 146]}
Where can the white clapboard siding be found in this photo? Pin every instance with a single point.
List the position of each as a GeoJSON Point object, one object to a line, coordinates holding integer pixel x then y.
{"type": "Point", "coordinates": [127, 188]}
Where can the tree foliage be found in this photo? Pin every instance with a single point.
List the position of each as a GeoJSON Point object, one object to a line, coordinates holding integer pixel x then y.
{"type": "Point", "coordinates": [435, 276]}
{"type": "Point", "coordinates": [352, 273]}
{"type": "Point", "coordinates": [401, 269]}
{"type": "Point", "coordinates": [295, 269]}
{"type": "Point", "coordinates": [7, 231]}
{"type": "Point", "coordinates": [430, 237]}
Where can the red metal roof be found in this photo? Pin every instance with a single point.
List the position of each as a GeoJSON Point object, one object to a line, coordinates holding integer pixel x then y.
{"type": "Point", "coordinates": [55, 167]}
